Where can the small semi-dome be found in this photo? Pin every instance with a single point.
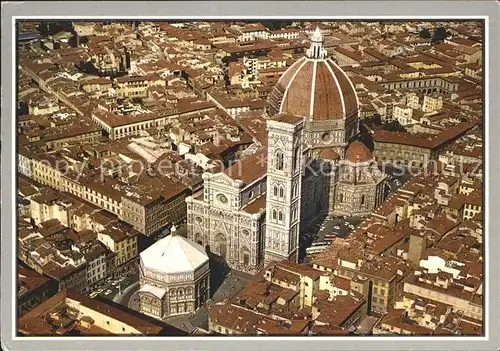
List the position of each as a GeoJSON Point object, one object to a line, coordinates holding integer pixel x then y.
{"type": "Point", "coordinates": [328, 153]}
{"type": "Point", "coordinates": [358, 152]}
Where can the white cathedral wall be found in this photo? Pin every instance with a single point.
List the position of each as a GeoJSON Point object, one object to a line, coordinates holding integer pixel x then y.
{"type": "Point", "coordinates": [238, 231]}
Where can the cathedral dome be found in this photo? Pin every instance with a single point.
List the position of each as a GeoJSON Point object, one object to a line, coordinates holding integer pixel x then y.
{"type": "Point", "coordinates": [174, 254]}
{"type": "Point", "coordinates": [358, 152]}
{"type": "Point", "coordinates": [315, 87]}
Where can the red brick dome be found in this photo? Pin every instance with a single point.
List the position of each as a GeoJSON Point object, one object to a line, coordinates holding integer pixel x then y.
{"type": "Point", "coordinates": [358, 152]}
{"type": "Point", "coordinates": [328, 154]}
{"type": "Point", "coordinates": [314, 88]}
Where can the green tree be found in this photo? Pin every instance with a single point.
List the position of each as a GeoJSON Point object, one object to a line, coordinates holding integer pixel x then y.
{"type": "Point", "coordinates": [374, 120]}
{"type": "Point", "coordinates": [377, 119]}
{"type": "Point", "coordinates": [440, 35]}
{"type": "Point", "coordinates": [275, 25]}
{"type": "Point", "coordinates": [424, 33]}
{"type": "Point", "coordinates": [394, 126]}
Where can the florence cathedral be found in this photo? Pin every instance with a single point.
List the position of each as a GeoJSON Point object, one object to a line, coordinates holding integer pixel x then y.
{"type": "Point", "coordinates": [313, 166]}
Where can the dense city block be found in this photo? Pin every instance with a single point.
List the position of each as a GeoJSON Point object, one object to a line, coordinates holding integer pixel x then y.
{"type": "Point", "coordinates": [250, 178]}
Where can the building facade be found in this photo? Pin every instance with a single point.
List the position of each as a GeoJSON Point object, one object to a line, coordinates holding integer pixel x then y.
{"type": "Point", "coordinates": [229, 217]}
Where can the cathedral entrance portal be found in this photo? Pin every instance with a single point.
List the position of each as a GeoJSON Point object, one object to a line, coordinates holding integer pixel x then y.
{"type": "Point", "coordinates": [198, 240]}
{"type": "Point", "coordinates": [246, 256]}
{"type": "Point", "coordinates": [221, 245]}
{"type": "Point", "coordinates": [222, 250]}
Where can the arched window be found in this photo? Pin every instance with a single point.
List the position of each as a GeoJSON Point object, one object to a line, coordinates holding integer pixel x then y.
{"type": "Point", "coordinates": [282, 192]}
{"type": "Point", "coordinates": [341, 197]}
{"type": "Point", "coordinates": [362, 199]}
{"type": "Point", "coordinates": [296, 159]}
{"type": "Point", "coordinates": [275, 190]}
{"type": "Point", "coordinates": [279, 160]}
{"type": "Point", "coordinates": [274, 214]}
{"type": "Point", "coordinates": [280, 216]}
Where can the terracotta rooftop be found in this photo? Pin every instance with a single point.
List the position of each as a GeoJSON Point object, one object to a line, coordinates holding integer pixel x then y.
{"type": "Point", "coordinates": [250, 168]}
{"type": "Point", "coordinates": [29, 280]}
{"type": "Point", "coordinates": [423, 140]}
{"type": "Point", "coordinates": [286, 118]}
{"type": "Point", "coordinates": [38, 320]}
{"type": "Point", "coordinates": [256, 206]}
{"type": "Point", "coordinates": [396, 318]}
{"type": "Point", "coordinates": [248, 322]}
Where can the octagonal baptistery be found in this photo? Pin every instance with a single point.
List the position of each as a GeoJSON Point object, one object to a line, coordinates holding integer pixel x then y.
{"type": "Point", "coordinates": [174, 277]}
{"type": "Point", "coordinates": [316, 88]}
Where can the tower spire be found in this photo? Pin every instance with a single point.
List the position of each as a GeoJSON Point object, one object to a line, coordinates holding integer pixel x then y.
{"type": "Point", "coordinates": [316, 50]}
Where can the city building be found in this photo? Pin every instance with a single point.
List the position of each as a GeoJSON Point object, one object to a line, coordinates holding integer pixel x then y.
{"type": "Point", "coordinates": [72, 314]}
{"type": "Point", "coordinates": [123, 243]}
{"type": "Point", "coordinates": [34, 289]}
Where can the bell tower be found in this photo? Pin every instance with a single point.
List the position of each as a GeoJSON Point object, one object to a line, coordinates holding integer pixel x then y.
{"type": "Point", "coordinates": [284, 182]}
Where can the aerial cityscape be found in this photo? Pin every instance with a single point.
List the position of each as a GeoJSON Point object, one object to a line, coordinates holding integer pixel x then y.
{"type": "Point", "coordinates": [275, 178]}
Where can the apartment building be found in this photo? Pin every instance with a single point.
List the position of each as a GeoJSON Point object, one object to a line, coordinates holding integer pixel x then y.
{"type": "Point", "coordinates": [160, 203]}
{"type": "Point", "coordinates": [123, 242]}
{"type": "Point", "coordinates": [98, 263]}
{"type": "Point", "coordinates": [72, 314]}
{"type": "Point", "coordinates": [415, 149]}
{"type": "Point", "coordinates": [403, 114]}
{"type": "Point", "coordinates": [440, 287]}
{"type": "Point", "coordinates": [121, 126]}
{"type": "Point", "coordinates": [136, 86]}
{"type": "Point", "coordinates": [378, 279]}
{"type": "Point", "coordinates": [34, 288]}
{"type": "Point", "coordinates": [473, 204]}
{"type": "Point", "coordinates": [432, 103]}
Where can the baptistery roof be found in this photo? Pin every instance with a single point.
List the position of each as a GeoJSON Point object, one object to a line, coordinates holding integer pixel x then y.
{"type": "Point", "coordinates": [315, 87]}
{"type": "Point", "coordinates": [174, 254]}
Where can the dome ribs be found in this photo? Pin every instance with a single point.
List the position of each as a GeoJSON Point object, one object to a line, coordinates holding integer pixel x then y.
{"type": "Point", "coordinates": [279, 92]}
{"type": "Point", "coordinates": [298, 98]}
{"type": "Point", "coordinates": [327, 103]}
{"type": "Point", "coordinates": [350, 100]}
{"type": "Point", "coordinates": [314, 88]}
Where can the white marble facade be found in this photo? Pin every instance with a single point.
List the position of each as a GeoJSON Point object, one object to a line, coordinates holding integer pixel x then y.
{"type": "Point", "coordinates": [222, 222]}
